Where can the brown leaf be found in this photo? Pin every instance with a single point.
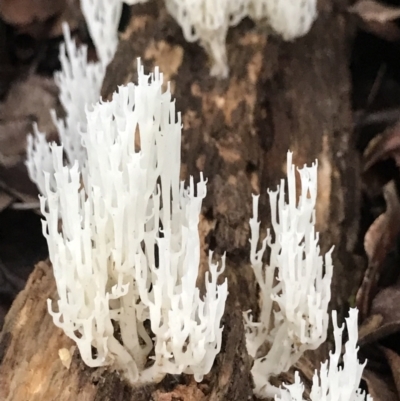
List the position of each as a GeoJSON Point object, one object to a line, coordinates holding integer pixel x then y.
{"type": "Point", "coordinates": [386, 303]}
{"type": "Point", "coordinates": [378, 169]}
{"type": "Point", "coordinates": [380, 387]}
{"type": "Point", "coordinates": [379, 240]}
{"type": "Point", "coordinates": [16, 182]}
{"type": "Point", "coordinates": [385, 30]}
{"type": "Point", "coordinates": [25, 12]}
{"type": "Point", "coordinates": [370, 10]}
{"type": "Point", "coordinates": [384, 146]}
{"type": "Point", "coordinates": [381, 332]}
{"type": "Point", "coordinates": [368, 328]}
{"type": "Point", "coordinates": [380, 237]}
{"type": "Point", "coordinates": [394, 362]}
{"type": "Point", "coordinates": [33, 98]}
{"type": "Point", "coordinates": [27, 101]}
{"type": "Point", "coordinates": [51, 28]}
{"type": "Point", "coordinates": [72, 15]}
{"type": "Point", "coordinates": [13, 140]}
{"type": "Point", "coordinates": [5, 200]}
{"type": "Point", "coordinates": [385, 316]}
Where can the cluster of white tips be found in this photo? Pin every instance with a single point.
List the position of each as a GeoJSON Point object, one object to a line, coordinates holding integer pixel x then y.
{"type": "Point", "coordinates": [295, 291]}
{"type": "Point", "coordinates": [334, 383]}
{"type": "Point", "coordinates": [128, 250]}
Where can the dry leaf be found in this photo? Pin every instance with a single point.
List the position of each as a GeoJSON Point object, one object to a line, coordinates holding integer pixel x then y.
{"type": "Point", "coordinates": [385, 316]}
{"type": "Point", "coordinates": [380, 387]}
{"type": "Point", "coordinates": [33, 98]}
{"type": "Point", "coordinates": [72, 15]}
{"type": "Point", "coordinates": [369, 327]}
{"type": "Point", "coordinates": [27, 101]}
{"type": "Point", "coordinates": [13, 140]}
{"type": "Point", "coordinates": [380, 237]}
{"type": "Point", "coordinates": [388, 31]}
{"type": "Point", "coordinates": [394, 362]}
{"type": "Point", "coordinates": [386, 303]}
{"type": "Point", "coordinates": [378, 167]}
{"type": "Point", "coordinates": [5, 201]}
{"type": "Point", "coordinates": [370, 10]}
{"type": "Point", "coordinates": [25, 12]}
{"type": "Point", "coordinates": [382, 147]}
{"type": "Point", "coordinates": [385, 330]}
{"type": "Point", "coordinates": [379, 240]}
{"type": "Point", "coordinates": [377, 19]}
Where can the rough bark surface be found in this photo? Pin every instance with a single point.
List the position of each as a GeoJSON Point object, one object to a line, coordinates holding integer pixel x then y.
{"type": "Point", "coordinates": [279, 96]}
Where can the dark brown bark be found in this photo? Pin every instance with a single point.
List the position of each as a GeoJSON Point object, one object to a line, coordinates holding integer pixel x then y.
{"type": "Point", "coordinates": [279, 96]}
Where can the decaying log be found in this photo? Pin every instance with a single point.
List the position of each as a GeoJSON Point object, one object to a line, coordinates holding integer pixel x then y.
{"type": "Point", "coordinates": [39, 363]}
{"type": "Point", "coordinates": [278, 96]}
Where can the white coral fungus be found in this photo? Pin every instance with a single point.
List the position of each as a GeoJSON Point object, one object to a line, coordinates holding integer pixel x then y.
{"type": "Point", "coordinates": [334, 383]}
{"type": "Point", "coordinates": [290, 19]}
{"type": "Point", "coordinates": [295, 291]}
{"type": "Point", "coordinates": [79, 83]}
{"type": "Point", "coordinates": [128, 250]}
{"type": "Point", "coordinates": [209, 20]}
